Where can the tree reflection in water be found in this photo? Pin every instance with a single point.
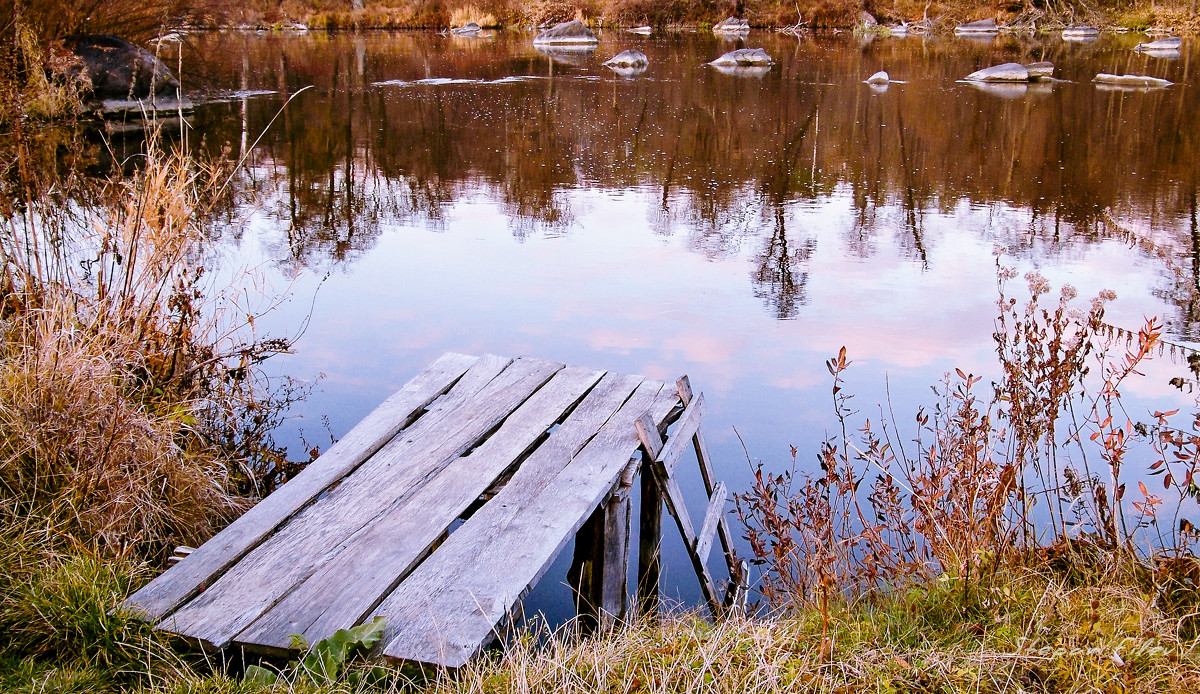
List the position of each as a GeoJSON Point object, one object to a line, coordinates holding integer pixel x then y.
{"type": "Point", "coordinates": [726, 160]}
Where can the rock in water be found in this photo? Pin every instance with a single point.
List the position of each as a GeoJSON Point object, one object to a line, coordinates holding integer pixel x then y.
{"type": "Point", "coordinates": [1171, 43]}
{"type": "Point", "coordinates": [567, 32]}
{"type": "Point", "coordinates": [466, 30]}
{"type": "Point", "coordinates": [732, 25]}
{"type": "Point", "coordinates": [1008, 72]}
{"type": "Point", "coordinates": [643, 30]}
{"type": "Point", "coordinates": [867, 20]}
{"type": "Point", "coordinates": [983, 26]}
{"type": "Point", "coordinates": [880, 77]}
{"type": "Point", "coordinates": [1085, 31]}
{"type": "Point", "coordinates": [119, 69]}
{"type": "Point", "coordinates": [630, 58]}
{"type": "Point", "coordinates": [1040, 71]}
{"type": "Point", "coordinates": [1131, 80]}
{"type": "Point", "coordinates": [743, 57]}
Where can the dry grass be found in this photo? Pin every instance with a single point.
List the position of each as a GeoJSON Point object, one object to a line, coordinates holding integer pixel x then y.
{"type": "Point", "coordinates": [462, 16]}
{"type": "Point", "coordinates": [129, 412]}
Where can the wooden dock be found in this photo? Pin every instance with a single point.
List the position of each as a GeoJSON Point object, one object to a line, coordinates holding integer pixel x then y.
{"type": "Point", "coordinates": [526, 453]}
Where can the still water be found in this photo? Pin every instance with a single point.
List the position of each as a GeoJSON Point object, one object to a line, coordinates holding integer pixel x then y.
{"type": "Point", "coordinates": [432, 193]}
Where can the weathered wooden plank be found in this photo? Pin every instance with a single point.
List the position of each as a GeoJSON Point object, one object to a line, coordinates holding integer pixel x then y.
{"type": "Point", "coordinates": [678, 510]}
{"type": "Point", "coordinates": [343, 591]}
{"type": "Point", "coordinates": [736, 575]}
{"type": "Point", "coordinates": [192, 574]}
{"type": "Point", "coordinates": [681, 438]}
{"type": "Point", "coordinates": [651, 440]}
{"type": "Point", "coordinates": [315, 535]}
{"type": "Point", "coordinates": [712, 517]}
{"type": "Point", "coordinates": [511, 541]}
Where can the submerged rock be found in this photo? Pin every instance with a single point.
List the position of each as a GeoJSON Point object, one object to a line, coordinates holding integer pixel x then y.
{"type": "Point", "coordinates": [732, 25]}
{"type": "Point", "coordinates": [743, 70]}
{"type": "Point", "coordinates": [470, 29]}
{"type": "Point", "coordinates": [982, 26]}
{"type": "Point", "coordinates": [643, 30]}
{"type": "Point", "coordinates": [630, 58]}
{"type": "Point", "coordinates": [1140, 81]}
{"type": "Point", "coordinates": [119, 69]}
{"type": "Point", "coordinates": [743, 57]}
{"type": "Point", "coordinates": [1171, 43]}
{"type": "Point", "coordinates": [880, 77]}
{"type": "Point", "coordinates": [1007, 72]}
{"type": "Point", "coordinates": [1040, 71]}
{"type": "Point", "coordinates": [1077, 33]}
{"type": "Point", "coordinates": [570, 32]}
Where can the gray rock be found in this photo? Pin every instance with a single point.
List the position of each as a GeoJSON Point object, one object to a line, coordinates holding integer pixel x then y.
{"type": "Point", "coordinates": [470, 29]}
{"type": "Point", "coordinates": [867, 20]}
{"type": "Point", "coordinates": [119, 69]}
{"type": "Point", "coordinates": [880, 77]}
{"type": "Point", "coordinates": [982, 26]}
{"type": "Point", "coordinates": [1040, 71]}
{"type": "Point", "coordinates": [743, 70]}
{"type": "Point", "coordinates": [1085, 31]}
{"type": "Point", "coordinates": [743, 57]}
{"type": "Point", "coordinates": [898, 30]}
{"type": "Point", "coordinates": [732, 25]}
{"type": "Point", "coordinates": [643, 30]}
{"type": "Point", "coordinates": [1136, 81]}
{"type": "Point", "coordinates": [573, 31]}
{"type": "Point", "coordinates": [630, 58]}
{"type": "Point", "coordinates": [1007, 72]}
{"type": "Point", "coordinates": [1171, 43]}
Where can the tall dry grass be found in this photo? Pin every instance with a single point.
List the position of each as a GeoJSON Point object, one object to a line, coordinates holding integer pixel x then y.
{"type": "Point", "coordinates": [130, 413]}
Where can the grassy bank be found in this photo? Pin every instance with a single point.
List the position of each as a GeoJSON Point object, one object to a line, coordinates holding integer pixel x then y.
{"type": "Point", "coordinates": [1029, 628]}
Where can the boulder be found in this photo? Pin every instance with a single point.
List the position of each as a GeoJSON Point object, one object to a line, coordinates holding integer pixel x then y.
{"type": "Point", "coordinates": [898, 30]}
{"type": "Point", "coordinates": [630, 58]}
{"type": "Point", "coordinates": [743, 57]}
{"type": "Point", "coordinates": [1079, 33]}
{"type": "Point", "coordinates": [732, 25]}
{"type": "Point", "coordinates": [880, 77]}
{"type": "Point", "coordinates": [866, 20]}
{"type": "Point", "coordinates": [982, 26]}
{"type": "Point", "coordinates": [470, 29]}
{"type": "Point", "coordinates": [1137, 81]}
{"type": "Point", "coordinates": [573, 31]}
{"type": "Point", "coordinates": [1171, 43]}
{"type": "Point", "coordinates": [1040, 71]}
{"type": "Point", "coordinates": [1007, 72]}
{"type": "Point", "coordinates": [118, 69]}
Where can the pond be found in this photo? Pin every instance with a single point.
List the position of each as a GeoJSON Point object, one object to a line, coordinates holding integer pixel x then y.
{"type": "Point", "coordinates": [436, 193]}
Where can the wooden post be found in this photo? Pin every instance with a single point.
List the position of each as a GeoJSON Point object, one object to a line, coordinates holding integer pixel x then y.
{"type": "Point", "coordinates": [600, 566]}
{"type": "Point", "coordinates": [583, 575]}
{"type": "Point", "coordinates": [614, 573]}
{"type": "Point", "coordinates": [650, 538]}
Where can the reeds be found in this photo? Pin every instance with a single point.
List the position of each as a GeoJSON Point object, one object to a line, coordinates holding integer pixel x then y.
{"type": "Point", "coordinates": [1035, 473]}
{"type": "Point", "coordinates": [130, 415]}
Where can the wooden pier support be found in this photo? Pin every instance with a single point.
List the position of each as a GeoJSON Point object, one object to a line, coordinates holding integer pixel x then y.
{"type": "Point", "coordinates": [600, 567]}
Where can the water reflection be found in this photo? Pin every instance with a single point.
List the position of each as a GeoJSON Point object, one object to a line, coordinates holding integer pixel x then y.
{"type": "Point", "coordinates": [402, 129]}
